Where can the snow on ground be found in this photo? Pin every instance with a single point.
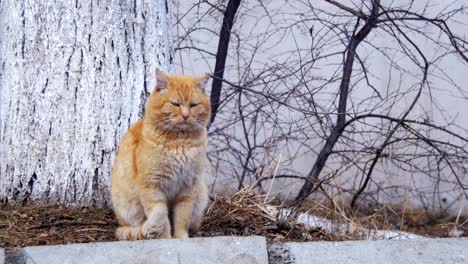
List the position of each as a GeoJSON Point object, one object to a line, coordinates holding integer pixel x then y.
{"type": "Point", "coordinates": [313, 221]}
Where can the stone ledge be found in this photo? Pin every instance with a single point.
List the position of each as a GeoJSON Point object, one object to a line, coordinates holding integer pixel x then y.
{"type": "Point", "coordinates": [248, 250]}
{"type": "Point", "coordinates": [427, 251]}
{"type": "Point", "coordinates": [235, 250]}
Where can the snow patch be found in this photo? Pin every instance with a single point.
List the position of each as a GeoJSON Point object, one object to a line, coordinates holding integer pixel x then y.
{"type": "Point", "coordinates": [327, 225]}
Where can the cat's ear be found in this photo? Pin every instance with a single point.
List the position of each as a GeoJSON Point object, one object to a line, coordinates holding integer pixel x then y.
{"type": "Point", "coordinates": [202, 81]}
{"type": "Point", "coordinates": [161, 80]}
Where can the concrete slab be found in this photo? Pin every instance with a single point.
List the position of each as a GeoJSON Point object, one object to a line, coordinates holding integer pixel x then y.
{"type": "Point", "coordinates": [427, 251]}
{"type": "Point", "coordinates": [2, 256]}
{"type": "Point", "coordinates": [234, 250]}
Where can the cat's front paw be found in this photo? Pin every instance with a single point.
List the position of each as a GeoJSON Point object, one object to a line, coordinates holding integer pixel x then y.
{"type": "Point", "coordinates": [128, 233]}
{"type": "Point", "coordinates": [152, 231]}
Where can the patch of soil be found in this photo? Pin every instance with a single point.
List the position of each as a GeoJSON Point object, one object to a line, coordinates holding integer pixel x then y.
{"type": "Point", "coordinates": [51, 225]}
{"type": "Point", "coordinates": [397, 218]}
{"type": "Point", "coordinates": [419, 221]}
{"type": "Point", "coordinates": [242, 214]}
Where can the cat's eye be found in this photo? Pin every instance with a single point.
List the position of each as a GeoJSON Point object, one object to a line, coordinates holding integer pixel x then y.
{"type": "Point", "coordinates": [193, 105]}
{"type": "Point", "coordinates": [175, 104]}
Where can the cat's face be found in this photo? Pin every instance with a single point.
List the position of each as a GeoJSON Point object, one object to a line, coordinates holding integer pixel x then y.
{"type": "Point", "coordinates": [179, 103]}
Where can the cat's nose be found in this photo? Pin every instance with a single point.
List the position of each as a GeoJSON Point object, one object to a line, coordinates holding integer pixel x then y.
{"type": "Point", "coordinates": [185, 112]}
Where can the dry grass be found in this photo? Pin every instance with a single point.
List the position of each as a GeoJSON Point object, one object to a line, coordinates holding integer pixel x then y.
{"type": "Point", "coordinates": [245, 213]}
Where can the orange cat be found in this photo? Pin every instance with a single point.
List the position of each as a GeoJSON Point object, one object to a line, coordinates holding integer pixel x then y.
{"type": "Point", "coordinates": [158, 188]}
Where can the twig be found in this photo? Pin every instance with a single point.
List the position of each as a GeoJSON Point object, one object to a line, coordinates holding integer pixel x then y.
{"type": "Point", "coordinates": [348, 9]}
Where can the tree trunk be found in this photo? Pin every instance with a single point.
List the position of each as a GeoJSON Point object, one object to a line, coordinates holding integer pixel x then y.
{"type": "Point", "coordinates": [74, 76]}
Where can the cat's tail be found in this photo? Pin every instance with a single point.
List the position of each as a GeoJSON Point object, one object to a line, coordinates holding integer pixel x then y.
{"type": "Point", "coordinates": [129, 233]}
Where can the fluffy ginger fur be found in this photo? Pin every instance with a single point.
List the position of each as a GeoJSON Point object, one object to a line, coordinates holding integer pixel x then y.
{"type": "Point", "coordinates": [158, 188]}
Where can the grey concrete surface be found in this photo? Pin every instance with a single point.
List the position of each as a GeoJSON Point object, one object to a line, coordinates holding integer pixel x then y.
{"type": "Point", "coordinates": [426, 251]}
{"type": "Point", "coordinates": [232, 250]}
{"type": "Point", "coordinates": [246, 250]}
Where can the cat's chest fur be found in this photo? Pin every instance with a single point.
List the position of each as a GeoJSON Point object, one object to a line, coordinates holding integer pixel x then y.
{"type": "Point", "coordinates": [177, 168]}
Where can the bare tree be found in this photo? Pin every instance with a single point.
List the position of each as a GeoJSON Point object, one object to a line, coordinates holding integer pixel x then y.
{"type": "Point", "coordinates": [356, 90]}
